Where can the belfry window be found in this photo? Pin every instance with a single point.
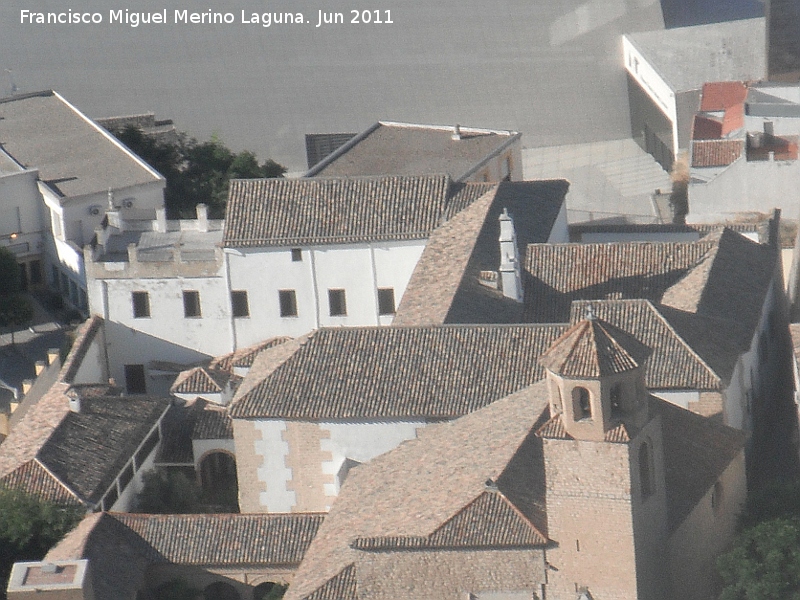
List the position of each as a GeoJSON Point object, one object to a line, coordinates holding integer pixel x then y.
{"type": "Point", "coordinates": [616, 399]}
{"type": "Point", "coordinates": [581, 403]}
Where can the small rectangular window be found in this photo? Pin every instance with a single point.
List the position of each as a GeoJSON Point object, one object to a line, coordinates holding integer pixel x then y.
{"type": "Point", "coordinates": [135, 381]}
{"type": "Point", "coordinates": [297, 255]}
{"type": "Point", "coordinates": [239, 304]}
{"type": "Point", "coordinates": [191, 304]}
{"type": "Point", "coordinates": [337, 303]}
{"type": "Point", "coordinates": [141, 305]}
{"type": "Point", "coordinates": [288, 302]}
{"type": "Point", "coordinates": [386, 301]}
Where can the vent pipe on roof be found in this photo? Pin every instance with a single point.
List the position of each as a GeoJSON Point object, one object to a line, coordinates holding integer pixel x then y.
{"type": "Point", "coordinates": [456, 133]}
{"type": "Point", "coordinates": [769, 128]}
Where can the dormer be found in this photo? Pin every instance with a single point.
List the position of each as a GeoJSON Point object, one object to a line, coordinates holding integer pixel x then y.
{"type": "Point", "coordinates": [595, 374]}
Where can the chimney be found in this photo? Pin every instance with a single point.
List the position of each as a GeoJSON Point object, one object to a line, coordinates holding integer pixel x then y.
{"type": "Point", "coordinates": [52, 355]}
{"type": "Point", "coordinates": [456, 133]}
{"type": "Point", "coordinates": [161, 220]}
{"type": "Point", "coordinates": [510, 278]}
{"type": "Point", "coordinates": [74, 401]}
{"type": "Point", "coordinates": [774, 231]}
{"type": "Point", "coordinates": [769, 128]}
{"type": "Point", "coordinates": [132, 259]}
{"type": "Point", "coordinates": [202, 217]}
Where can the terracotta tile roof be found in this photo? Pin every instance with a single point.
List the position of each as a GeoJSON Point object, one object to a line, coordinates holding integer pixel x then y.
{"type": "Point", "coordinates": [721, 95]}
{"type": "Point", "coordinates": [244, 357]}
{"type": "Point", "coordinates": [557, 274]}
{"type": "Point", "coordinates": [342, 586]}
{"type": "Point", "coordinates": [733, 119]}
{"type": "Point", "coordinates": [388, 372]}
{"type": "Point", "coordinates": [593, 348]}
{"type": "Point", "coordinates": [389, 148]}
{"type": "Point", "coordinates": [224, 540]}
{"type": "Point", "coordinates": [706, 128]}
{"type": "Point", "coordinates": [444, 473]}
{"type": "Point", "coordinates": [674, 362]}
{"type": "Point", "coordinates": [716, 153]}
{"type": "Point", "coordinates": [729, 283]}
{"type": "Point", "coordinates": [213, 424]}
{"type": "Point", "coordinates": [36, 479]}
{"type": "Point", "coordinates": [489, 521]}
{"type": "Point", "coordinates": [89, 449]}
{"type": "Point", "coordinates": [83, 340]}
{"type": "Point", "coordinates": [445, 285]}
{"type": "Point", "coordinates": [782, 147]}
{"type": "Point", "coordinates": [696, 452]}
{"type": "Point", "coordinates": [286, 212]}
{"type": "Point", "coordinates": [200, 380]}
{"type": "Point", "coordinates": [121, 547]}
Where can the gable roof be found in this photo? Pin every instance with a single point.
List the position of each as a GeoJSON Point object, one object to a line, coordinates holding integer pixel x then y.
{"type": "Point", "coordinates": [200, 380]}
{"type": "Point", "coordinates": [478, 482]}
{"type": "Point", "coordinates": [392, 372]}
{"type": "Point", "coordinates": [285, 212]}
{"type": "Point", "coordinates": [120, 546]}
{"type": "Point", "coordinates": [445, 285]}
{"type": "Point", "coordinates": [74, 156]}
{"type": "Point", "coordinates": [593, 348]}
{"type": "Point", "coordinates": [557, 274]}
{"type": "Point", "coordinates": [89, 449]}
{"type": "Point", "coordinates": [443, 483]}
{"type": "Point", "coordinates": [391, 148]}
{"type": "Point", "coordinates": [674, 363]}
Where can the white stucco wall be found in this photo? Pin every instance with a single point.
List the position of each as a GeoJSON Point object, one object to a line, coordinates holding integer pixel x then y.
{"type": "Point", "coordinates": [361, 442]}
{"type": "Point", "coordinates": [754, 186]}
{"type": "Point", "coordinates": [359, 269]}
{"type": "Point", "coordinates": [272, 449]}
{"type": "Point", "coordinates": [21, 213]}
{"type": "Point", "coordinates": [678, 398]}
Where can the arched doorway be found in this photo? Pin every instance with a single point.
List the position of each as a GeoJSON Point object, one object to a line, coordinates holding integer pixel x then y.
{"type": "Point", "coordinates": [269, 591]}
{"type": "Point", "coordinates": [218, 479]}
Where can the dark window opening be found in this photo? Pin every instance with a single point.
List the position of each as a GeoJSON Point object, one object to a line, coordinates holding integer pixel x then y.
{"type": "Point", "coordinates": [36, 272]}
{"type": "Point", "coordinates": [141, 305]}
{"type": "Point", "coordinates": [288, 302]}
{"type": "Point", "coordinates": [239, 304]}
{"type": "Point", "coordinates": [646, 470]}
{"type": "Point", "coordinates": [337, 303]}
{"type": "Point", "coordinates": [386, 301]}
{"type": "Point", "coordinates": [616, 399]}
{"type": "Point", "coordinates": [582, 404]}
{"type": "Point", "coordinates": [23, 276]}
{"type": "Point", "coordinates": [297, 255]}
{"type": "Point", "coordinates": [135, 381]}
{"type": "Point", "coordinates": [191, 304]}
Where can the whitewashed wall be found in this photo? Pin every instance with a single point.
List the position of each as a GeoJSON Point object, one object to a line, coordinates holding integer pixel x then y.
{"type": "Point", "coordinates": [359, 269]}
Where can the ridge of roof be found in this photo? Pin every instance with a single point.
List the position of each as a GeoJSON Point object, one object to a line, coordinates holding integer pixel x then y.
{"type": "Point", "coordinates": [392, 372]}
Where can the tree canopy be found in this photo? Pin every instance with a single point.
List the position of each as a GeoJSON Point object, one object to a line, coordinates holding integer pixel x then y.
{"type": "Point", "coordinates": [764, 562]}
{"type": "Point", "coordinates": [29, 527]}
{"type": "Point", "coordinates": [196, 172]}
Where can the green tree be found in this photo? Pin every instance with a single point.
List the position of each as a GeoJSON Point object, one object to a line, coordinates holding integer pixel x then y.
{"type": "Point", "coordinates": [177, 589]}
{"type": "Point", "coordinates": [196, 172]}
{"type": "Point", "coordinates": [29, 527]}
{"type": "Point", "coordinates": [15, 308]}
{"type": "Point", "coordinates": [764, 563]}
{"type": "Point", "coordinates": [168, 491]}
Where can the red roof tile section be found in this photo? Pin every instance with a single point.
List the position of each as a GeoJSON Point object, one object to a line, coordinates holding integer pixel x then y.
{"type": "Point", "coordinates": [716, 153]}
{"type": "Point", "coordinates": [721, 95]}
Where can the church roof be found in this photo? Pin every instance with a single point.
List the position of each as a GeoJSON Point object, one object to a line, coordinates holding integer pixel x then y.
{"type": "Point", "coordinates": [594, 348]}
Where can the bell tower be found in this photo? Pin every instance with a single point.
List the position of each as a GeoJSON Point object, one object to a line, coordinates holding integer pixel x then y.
{"type": "Point", "coordinates": [595, 374]}
{"type": "Point", "coordinates": [604, 467]}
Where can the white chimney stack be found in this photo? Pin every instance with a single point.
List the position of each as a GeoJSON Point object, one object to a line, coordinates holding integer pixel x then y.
{"type": "Point", "coordinates": [202, 217]}
{"type": "Point", "coordinates": [510, 276]}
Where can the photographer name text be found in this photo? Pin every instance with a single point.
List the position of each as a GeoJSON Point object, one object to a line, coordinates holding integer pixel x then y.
{"type": "Point", "coordinates": [185, 17]}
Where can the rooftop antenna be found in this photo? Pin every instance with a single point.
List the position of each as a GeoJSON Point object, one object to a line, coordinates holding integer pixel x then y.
{"type": "Point", "coordinates": [14, 88]}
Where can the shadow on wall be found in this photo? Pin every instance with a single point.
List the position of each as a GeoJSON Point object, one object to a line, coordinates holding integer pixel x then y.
{"type": "Point", "coordinates": [684, 13]}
